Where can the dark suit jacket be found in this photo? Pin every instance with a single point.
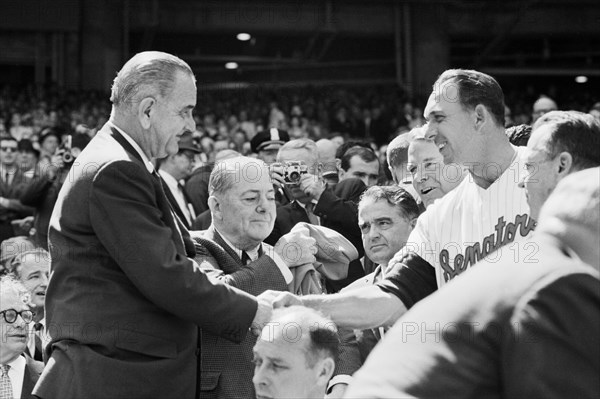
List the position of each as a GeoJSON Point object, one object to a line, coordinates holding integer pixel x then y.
{"type": "Point", "coordinates": [124, 301]}
{"type": "Point", "coordinates": [33, 369]}
{"type": "Point", "coordinates": [227, 368]}
{"type": "Point", "coordinates": [196, 187]}
{"type": "Point", "coordinates": [16, 210]}
{"type": "Point", "coordinates": [338, 210]}
{"type": "Point", "coordinates": [356, 345]}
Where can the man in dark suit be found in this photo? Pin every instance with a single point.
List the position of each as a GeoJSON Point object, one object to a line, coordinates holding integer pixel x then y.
{"type": "Point", "coordinates": [386, 216]}
{"type": "Point", "coordinates": [12, 184]}
{"type": "Point", "coordinates": [125, 300]}
{"type": "Point", "coordinates": [242, 203]}
{"type": "Point", "coordinates": [18, 373]}
{"type": "Point", "coordinates": [315, 203]}
{"type": "Point", "coordinates": [173, 170]}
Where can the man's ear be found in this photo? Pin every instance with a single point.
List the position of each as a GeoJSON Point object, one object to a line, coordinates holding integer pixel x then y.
{"type": "Point", "coordinates": [325, 370]}
{"type": "Point", "coordinates": [565, 164]}
{"type": "Point", "coordinates": [481, 115]}
{"type": "Point", "coordinates": [144, 111]}
{"type": "Point", "coordinates": [214, 205]}
{"type": "Point", "coordinates": [413, 223]}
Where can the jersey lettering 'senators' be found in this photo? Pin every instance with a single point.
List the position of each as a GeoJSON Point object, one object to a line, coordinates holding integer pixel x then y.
{"type": "Point", "coordinates": [504, 234]}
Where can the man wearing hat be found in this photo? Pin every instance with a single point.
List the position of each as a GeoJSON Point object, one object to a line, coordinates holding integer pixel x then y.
{"type": "Point", "coordinates": [267, 143]}
{"type": "Point", "coordinates": [173, 170]}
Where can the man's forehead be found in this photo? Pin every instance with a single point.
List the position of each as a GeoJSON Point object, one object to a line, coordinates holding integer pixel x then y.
{"type": "Point", "coordinates": [444, 93]}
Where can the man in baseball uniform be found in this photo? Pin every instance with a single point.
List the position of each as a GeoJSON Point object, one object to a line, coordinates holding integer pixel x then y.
{"type": "Point", "coordinates": [485, 216]}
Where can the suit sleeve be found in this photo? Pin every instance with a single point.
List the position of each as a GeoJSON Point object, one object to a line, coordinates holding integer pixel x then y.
{"type": "Point", "coordinates": [254, 278]}
{"type": "Point", "coordinates": [342, 216]}
{"type": "Point", "coordinates": [553, 350]}
{"type": "Point", "coordinates": [128, 222]}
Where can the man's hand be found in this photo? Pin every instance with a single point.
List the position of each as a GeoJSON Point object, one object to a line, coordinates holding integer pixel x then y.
{"type": "Point", "coordinates": [312, 185]}
{"type": "Point", "coordinates": [263, 314]}
{"type": "Point", "coordinates": [276, 170]}
{"type": "Point", "coordinates": [286, 299]}
{"type": "Point", "coordinates": [297, 248]}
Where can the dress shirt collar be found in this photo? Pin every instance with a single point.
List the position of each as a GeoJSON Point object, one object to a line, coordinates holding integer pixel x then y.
{"type": "Point", "coordinates": [136, 147]}
{"type": "Point", "coordinates": [252, 253]}
{"type": "Point", "coordinates": [16, 373]}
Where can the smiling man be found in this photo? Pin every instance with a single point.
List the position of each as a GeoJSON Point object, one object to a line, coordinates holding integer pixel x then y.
{"type": "Point", "coordinates": [125, 299]}
{"type": "Point", "coordinates": [431, 178]}
{"type": "Point", "coordinates": [562, 142]}
{"type": "Point", "coordinates": [32, 268]}
{"type": "Point", "coordinates": [486, 212]}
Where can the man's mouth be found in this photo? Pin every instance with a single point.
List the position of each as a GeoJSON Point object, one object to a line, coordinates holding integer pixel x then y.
{"type": "Point", "coordinates": [427, 190]}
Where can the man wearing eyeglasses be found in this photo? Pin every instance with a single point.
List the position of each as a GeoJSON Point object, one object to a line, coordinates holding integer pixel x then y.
{"type": "Point", "coordinates": [12, 183]}
{"type": "Point", "coordinates": [18, 373]}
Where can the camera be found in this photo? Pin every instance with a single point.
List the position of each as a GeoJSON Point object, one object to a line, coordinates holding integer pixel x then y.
{"type": "Point", "coordinates": [293, 170]}
{"type": "Point", "coordinates": [65, 151]}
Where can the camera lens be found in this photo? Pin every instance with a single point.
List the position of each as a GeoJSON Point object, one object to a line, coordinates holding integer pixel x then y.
{"type": "Point", "coordinates": [294, 177]}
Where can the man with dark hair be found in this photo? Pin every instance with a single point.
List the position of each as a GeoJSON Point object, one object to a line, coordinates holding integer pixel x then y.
{"type": "Point", "coordinates": [295, 355]}
{"type": "Point", "coordinates": [121, 261]}
{"type": "Point", "coordinates": [386, 216]}
{"type": "Point", "coordinates": [509, 329]}
{"type": "Point", "coordinates": [361, 163]}
{"type": "Point", "coordinates": [397, 159]}
{"type": "Point", "coordinates": [173, 170]}
{"type": "Point", "coordinates": [13, 183]}
{"type": "Point", "coordinates": [562, 142]}
{"type": "Point", "coordinates": [484, 213]}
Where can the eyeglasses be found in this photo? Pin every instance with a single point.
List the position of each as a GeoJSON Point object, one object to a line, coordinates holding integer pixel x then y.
{"type": "Point", "coordinates": [10, 315]}
{"type": "Point", "coordinates": [9, 149]}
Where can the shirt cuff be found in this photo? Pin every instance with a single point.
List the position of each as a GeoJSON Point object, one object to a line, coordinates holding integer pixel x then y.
{"type": "Point", "coordinates": [283, 268]}
{"type": "Point", "coordinates": [339, 379]}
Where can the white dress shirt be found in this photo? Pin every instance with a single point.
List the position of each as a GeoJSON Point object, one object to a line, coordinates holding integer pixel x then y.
{"type": "Point", "coordinates": [16, 373]}
{"type": "Point", "coordinates": [137, 148]}
{"type": "Point", "coordinates": [178, 194]}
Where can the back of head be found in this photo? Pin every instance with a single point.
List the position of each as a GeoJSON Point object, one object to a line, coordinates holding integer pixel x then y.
{"type": "Point", "coordinates": [320, 332]}
{"type": "Point", "coordinates": [475, 88]}
{"type": "Point", "coordinates": [576, 133]}
{"type": "Point", "coordinates": [397, 150]}
{"type": "Point", "coordinates": [364, 153]}
{"type": "Point", "coordinates": [145, 74]}
{"type": "Point", "coordinates": [572, 214]}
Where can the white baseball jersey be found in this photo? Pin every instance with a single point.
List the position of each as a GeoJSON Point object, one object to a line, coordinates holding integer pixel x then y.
{"type": "Point", "coordinates": [470, 223]}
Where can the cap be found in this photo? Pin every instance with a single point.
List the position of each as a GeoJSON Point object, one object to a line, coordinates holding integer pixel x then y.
{"type": "Point", "coordinates": [47, 132]}
{"type": "Point", "coordinates": [25, 145]}
{"type": "Point", "coordinates": [271, 139]}
{"type": "Point", "coordinates": [186, 142]}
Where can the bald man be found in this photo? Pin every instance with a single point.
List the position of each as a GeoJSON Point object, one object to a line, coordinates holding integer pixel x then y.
{"type": "Point", "coordinates": [542, 106]}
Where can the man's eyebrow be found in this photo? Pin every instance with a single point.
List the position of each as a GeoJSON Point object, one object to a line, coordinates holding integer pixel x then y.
{"type": "Point", "coordinates": [383, 218]}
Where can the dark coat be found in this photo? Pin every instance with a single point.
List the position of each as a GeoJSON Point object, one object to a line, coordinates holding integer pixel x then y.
{"type": "Point", "coordinates": [227, 368]}
{"type": "Point", "coordinates": [16, 209]}
{"type": "Point", "coordinates": [124, 301]}
{"type": "Point", "coordinates": [33, 370]}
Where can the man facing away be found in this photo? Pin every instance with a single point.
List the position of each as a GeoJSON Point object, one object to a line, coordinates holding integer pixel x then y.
{"type": "Point", "coordinates": [525, 329]}
{"type": "Point", "coordinates": [125, 300]}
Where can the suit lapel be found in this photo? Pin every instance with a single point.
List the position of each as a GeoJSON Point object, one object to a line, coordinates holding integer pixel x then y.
{"type": "Point", "coordinates": [174, 205]}
{"type": "Point", "coordinates": [214, 244]}
{"type": "Point", "coordinates": [180, 235]}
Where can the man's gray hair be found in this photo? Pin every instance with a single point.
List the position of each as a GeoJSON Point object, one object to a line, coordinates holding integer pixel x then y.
{"type": "Point", "coordinates": [38, 254]}
{"type": "Point", "coordinates": [145, 74]}
{"type": "Point", "coordinates": [9, 283]}
{"type": "Point", "coordinates": [230, 171]}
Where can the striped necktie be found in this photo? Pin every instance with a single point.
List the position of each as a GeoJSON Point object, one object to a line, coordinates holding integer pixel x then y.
{"type": "Point", "coordinates": [6, 391]}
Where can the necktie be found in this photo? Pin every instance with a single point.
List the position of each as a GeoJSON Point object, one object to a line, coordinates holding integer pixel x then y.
{"type": "Point", "coordinates": [6, 391]}
{"type": "Point", "coordinates": [245, 258]}
{"type": "Point", "coordinates": [38, 355]}
{"type": "Point", "coordinates": [312, 218]}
